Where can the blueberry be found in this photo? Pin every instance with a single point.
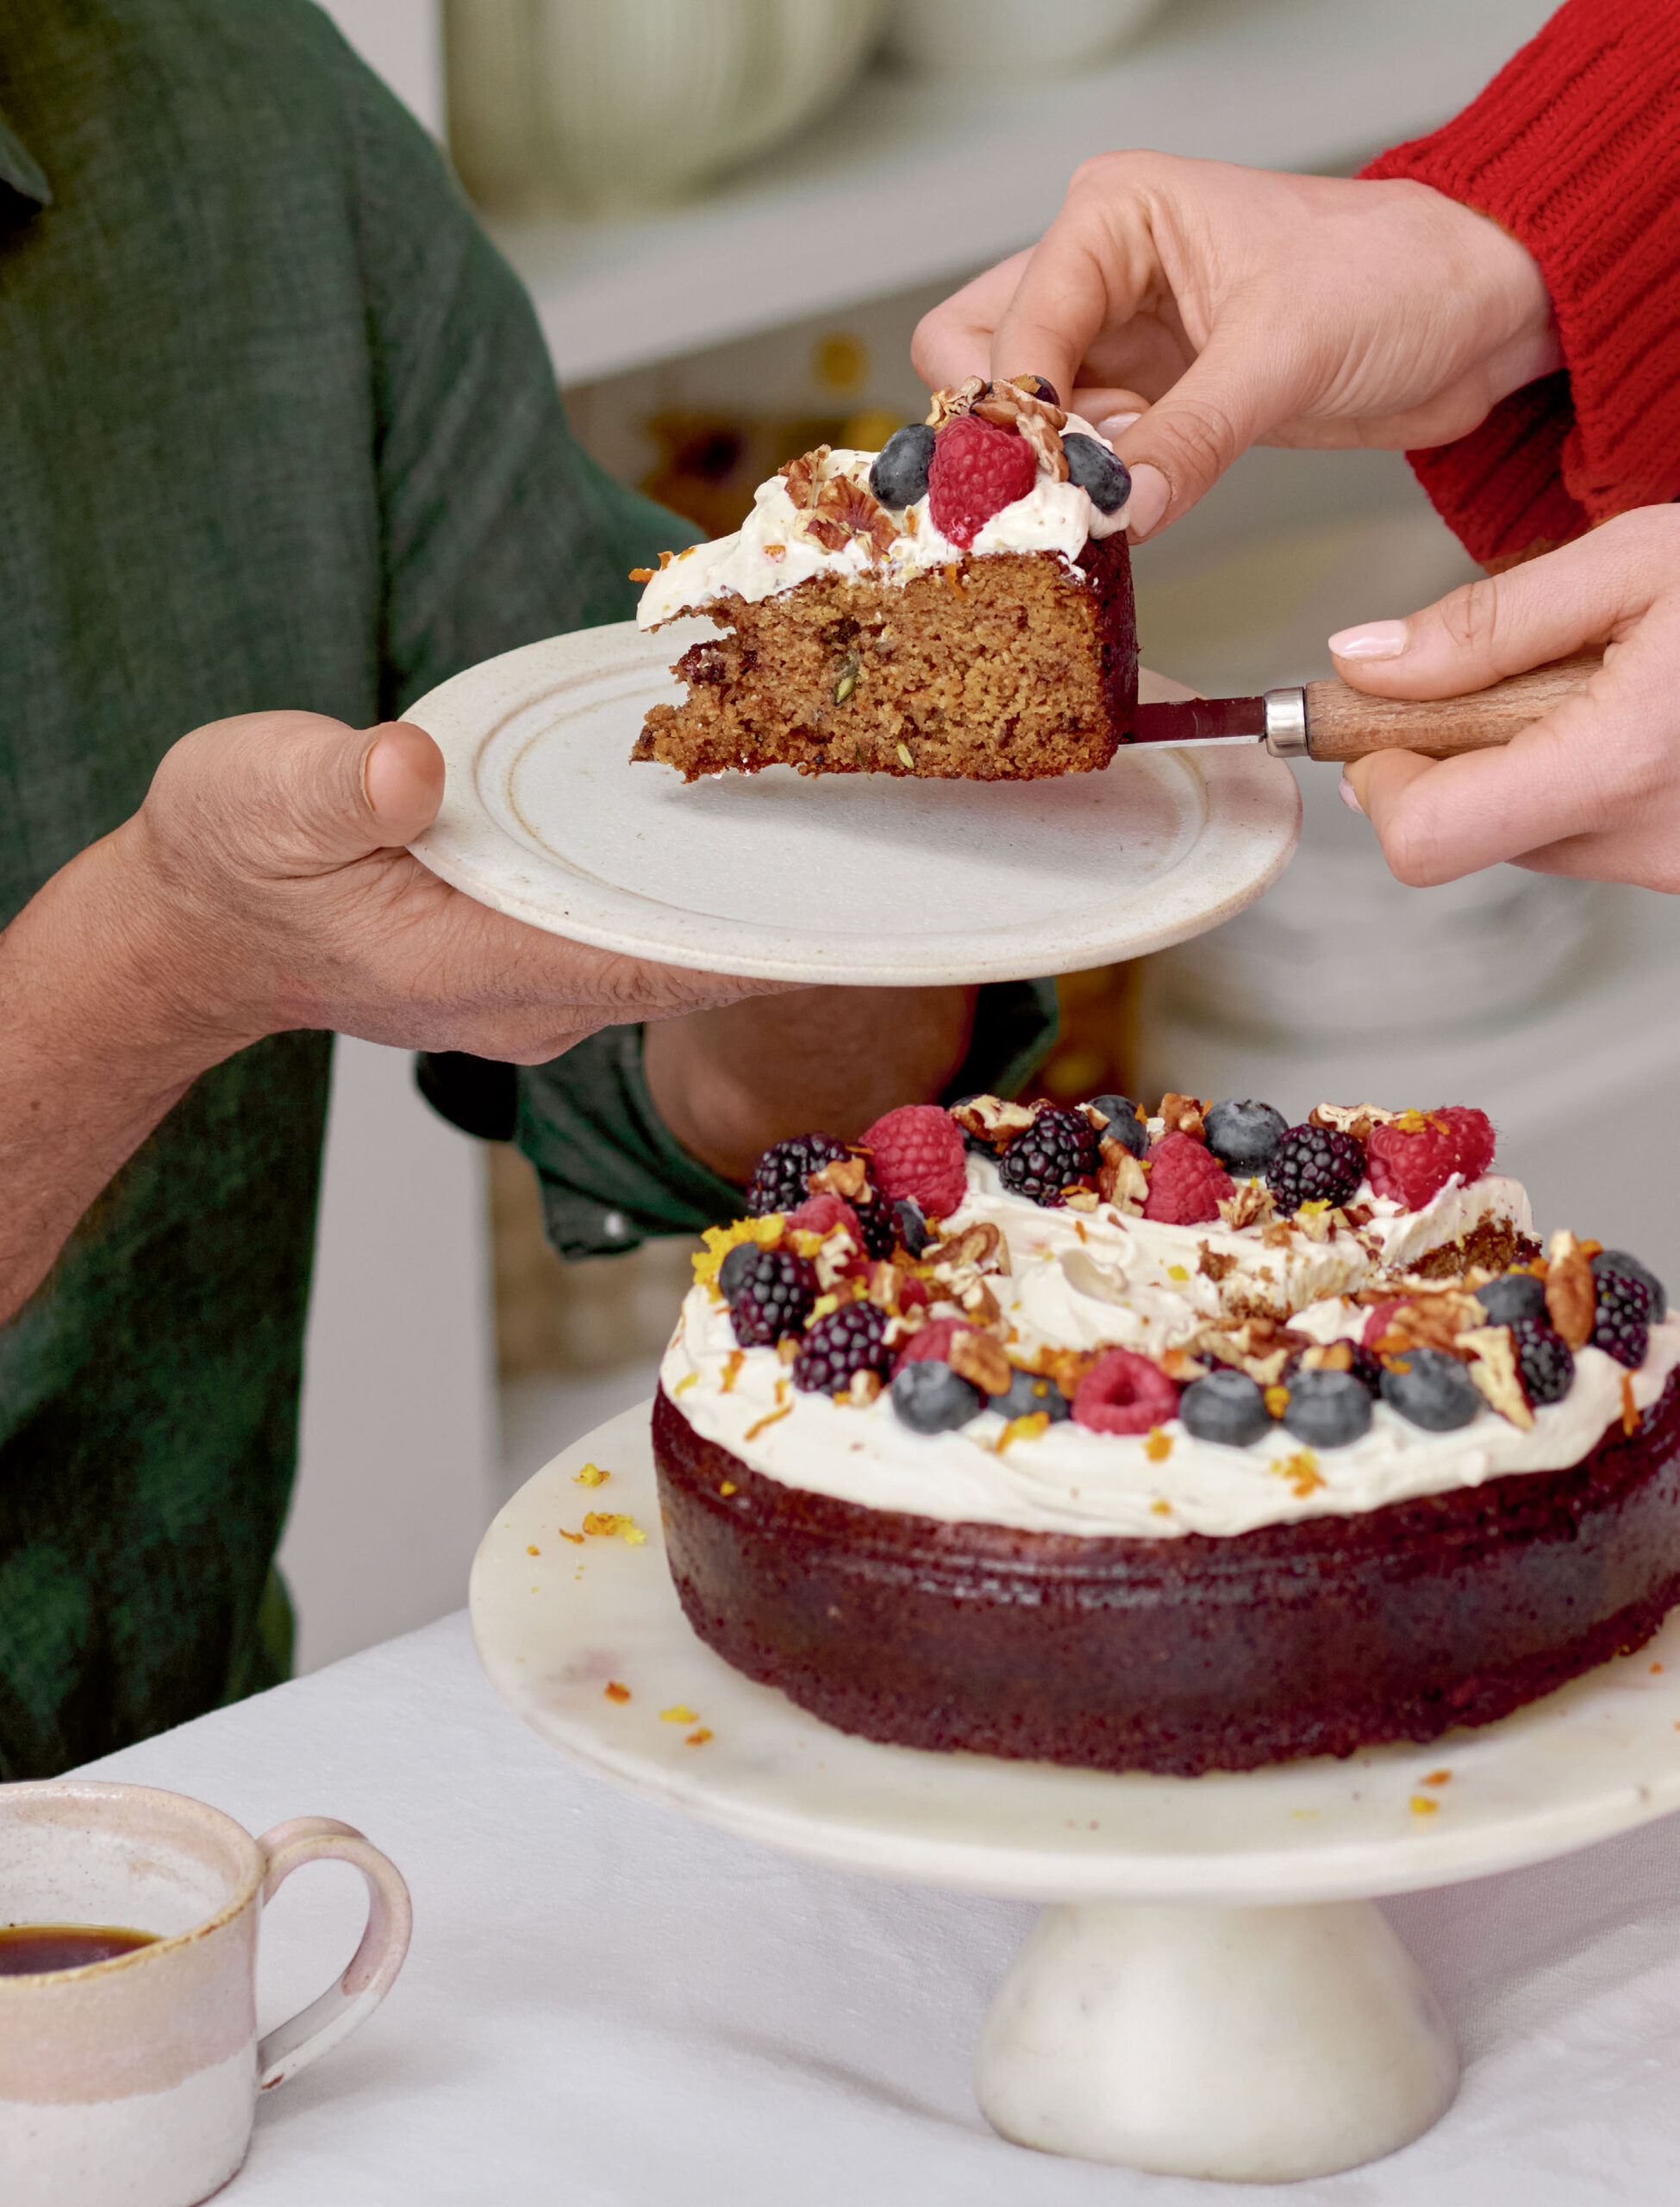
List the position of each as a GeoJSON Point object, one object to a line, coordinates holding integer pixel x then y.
{"type": "Point", "coordinates": [1327, 1410]}
{"type": "Point", "coordinates": [1026, 1393]}
{"type": "Point", "coordinates": [1105, 480]}
{"type": "Point", "coordinates": [732, 1272]}
{"type": "Point", "coordinates": [912, 1226]}
{"type": "Point", "coordinates": [930, 1397]}
{"type": "Point", "coordinates": [1511, 1297]}
{"type": "Point", "coordinates": [1226, 1405]}
{"type": "Point", "coordinates": [899, 476]}
{"type": "Point", "coordinates": [1618, 1260]}
{"type": "Point", "coordinates": [1243, 1135]}
{"type": "Point", "coordinates": [1124, 1123]}
{"type": "Point", "coordinates": [1431, 1389]}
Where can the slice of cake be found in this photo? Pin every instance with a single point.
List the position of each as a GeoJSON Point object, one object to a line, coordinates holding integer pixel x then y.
{"type": "Point", "coordinates": [959, 604]}
{"type": "Point", "coordinates": [1176, 1443]}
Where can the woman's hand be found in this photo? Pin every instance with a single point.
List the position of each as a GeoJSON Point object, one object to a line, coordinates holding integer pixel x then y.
{"type": "Point", "coordinates": [1191, 309]}
{"type": "Point", "coordinates": [1594, 788]}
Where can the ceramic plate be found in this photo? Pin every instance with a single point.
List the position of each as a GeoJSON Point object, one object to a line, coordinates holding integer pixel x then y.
{"type": "Point", "coordinates": [840, 877]}
{"type": "Point", "coordinates": [558, 1620]}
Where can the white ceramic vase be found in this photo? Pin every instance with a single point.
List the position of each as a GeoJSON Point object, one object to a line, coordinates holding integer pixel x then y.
{"type": "Point", "coordinates": [1000, 38]}
{"type": "Point", "coordinates": [606, 104]}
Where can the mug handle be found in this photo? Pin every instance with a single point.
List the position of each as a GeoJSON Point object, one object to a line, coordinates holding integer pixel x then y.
{"type": "Point", "coordinates": [375, 1963]}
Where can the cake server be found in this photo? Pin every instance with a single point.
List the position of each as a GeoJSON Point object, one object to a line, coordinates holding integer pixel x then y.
{"type": "Point", "coordinates": [1329, 721]}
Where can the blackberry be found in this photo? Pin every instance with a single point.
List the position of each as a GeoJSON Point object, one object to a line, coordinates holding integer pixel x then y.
{"type": "Point", "coordinates": [1544, 1362]}
{"type": "Point", "coordinates": [912, 1226]}
{"type": "Point", "coordinates": [899, 476]}
{"type": "Point", "coordinates": [1618, 1260]}
{"type": "Point", "coordinates": [1315, 1165]}
{"type": "Point", "coordinates": [733, 1270]}
{"type": "Point", "coordinates": [1124, 1121]}
{"type": "Point", "coordinates": [878, 1224]}
{"type": "Point", "coordinates": [1057, 1149]}
{"type": "Point", "coordinates": [1621, 1317]}
{"type": "Point", "coordinates": [1027, 1394]}
{"type": "Point", "coordinates": [1104, 478]}
{"type": "Point", "coordinates": [852, 1339]}
{"type": "Point", "coordinates": [1328, 1409]}
{"type": "Point", "coordinates": [774, 1292]}
{"type": "Point", "coordinates": [779, 1177]}
{"type": "Point", "coordinates": [1511, 1297]}
{"type": "Point", "coordinates": [930, 1397]}
{"type": "Point", "coordinates": [1431, 1389]}
{"type": "Point", "coordinates": [1243, 1135]}
{"type": "Point", "coordinates": [1224, 1405]}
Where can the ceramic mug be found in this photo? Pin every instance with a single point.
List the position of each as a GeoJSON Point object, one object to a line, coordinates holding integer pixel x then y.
{"type": "Point", "coordinates": [133, 2082]}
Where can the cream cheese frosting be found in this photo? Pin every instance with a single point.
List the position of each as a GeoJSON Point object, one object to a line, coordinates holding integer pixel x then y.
{"type": "Point", "coordinates": [773, 551]}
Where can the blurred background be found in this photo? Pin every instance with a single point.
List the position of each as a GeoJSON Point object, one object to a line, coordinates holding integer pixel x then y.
{"type": "Point", "coordinates": [731, 214]}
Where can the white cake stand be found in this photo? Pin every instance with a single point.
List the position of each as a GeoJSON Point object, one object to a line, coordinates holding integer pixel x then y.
{"type": "Point", "coordinates": [1210, 1990]}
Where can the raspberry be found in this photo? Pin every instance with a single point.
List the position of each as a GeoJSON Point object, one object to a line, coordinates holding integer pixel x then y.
{"type": "Point", "coordinates": [822, 1214]}
{"type": "Point", "coordinates": [932, 1341]}
{"type": "Point", "coordinates": [851, 1339]}
{"type": "Point", "coordinates": [1315, 1165]}
{"type": "Point", "coordinates": [773, 1296]}
{"type": "Point", "coordinates": [918, 1152]}
{"type": "Point", "coordinates": [1621, 1318]}
{"type": "Point", "coordinates": [1057, 1150]}
{"type": "Point", "coordinates": [1544, 1363]}
{"type": "Point", "coordinates": [978, 469]}
{"type": "Point", "coordinates": [779, 1177]}
{"type": "Point", "coordinates": [1124, 1393]}
{"type": "Point", "coordinates": [1378, 1324]}
{"type": "Point", "coordinates": [1412, 1165]}
{"type": "Point", "coordinates": [1187, 1183]}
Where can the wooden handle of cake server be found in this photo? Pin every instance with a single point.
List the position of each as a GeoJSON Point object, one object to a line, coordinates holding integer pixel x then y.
{"type": "Point", "coordinates": [1346, 723]}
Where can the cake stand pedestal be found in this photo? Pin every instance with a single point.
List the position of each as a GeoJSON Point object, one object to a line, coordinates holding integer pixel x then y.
{"type": "Point", "coordinates": [1210, 1990]}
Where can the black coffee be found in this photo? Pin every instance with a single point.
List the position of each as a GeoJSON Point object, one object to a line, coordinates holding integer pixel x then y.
{"type": "Point", "coordinates": [30, 1949]}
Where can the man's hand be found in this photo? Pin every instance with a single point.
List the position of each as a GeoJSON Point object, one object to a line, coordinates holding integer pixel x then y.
{"type": "Point", "coordinates": [1594, 788]}
{"type": "Point", "coordinates": [1191, 309]}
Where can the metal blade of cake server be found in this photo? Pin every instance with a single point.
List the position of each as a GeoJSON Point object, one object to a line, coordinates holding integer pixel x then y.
{"type": "Point", "coordinates": [1191, 723]}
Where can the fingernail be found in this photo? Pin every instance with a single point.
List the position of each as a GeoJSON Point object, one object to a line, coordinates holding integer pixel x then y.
{"type": "Point", "coordinates": [1152, 494]}
{"type": "Point", "coordinates": [1116, 426]}
{"type": "Point", "coordinates": [1350, 797]}
{"type": "Point", "coordinates": [1375, 640]}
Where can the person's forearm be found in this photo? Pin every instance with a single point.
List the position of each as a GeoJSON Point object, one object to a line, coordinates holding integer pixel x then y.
{"type": "Point", "coordinates": [92, 1054]}
{"type": "Point", "coordinates": [729, 1082]}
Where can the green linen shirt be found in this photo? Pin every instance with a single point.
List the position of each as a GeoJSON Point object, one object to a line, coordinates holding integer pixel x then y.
{"type": "Point", "coordinates": [278, 429]}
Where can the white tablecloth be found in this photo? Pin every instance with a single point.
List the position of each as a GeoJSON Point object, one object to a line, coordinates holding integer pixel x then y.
{"type": "Point", "coordinates": [607, 2003]}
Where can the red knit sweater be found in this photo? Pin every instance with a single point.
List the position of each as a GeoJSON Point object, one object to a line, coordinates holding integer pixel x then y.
{"type": "Point", "coordinates": [1574, 148]}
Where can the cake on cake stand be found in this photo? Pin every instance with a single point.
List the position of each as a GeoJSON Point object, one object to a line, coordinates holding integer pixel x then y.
{"type": "Point", "coordinates": [1210, 1990]}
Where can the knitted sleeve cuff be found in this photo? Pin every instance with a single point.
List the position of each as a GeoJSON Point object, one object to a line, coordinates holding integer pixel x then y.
{"type": "Point", "coordinates": [1574, 148]}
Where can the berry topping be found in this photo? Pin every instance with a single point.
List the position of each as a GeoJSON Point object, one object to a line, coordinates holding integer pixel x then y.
{"type": "Point", "coordinates": [779, 1177]}
{"type": "Point", "coordinates": [1511, 1297]}
{"type": "Point", "coordinates": [1315, 1165]}
{"type": "Point", "coordinates": [932, 1341]}
{"type": "Point", "coordinates": [1122, 1119]}
{"type": "Point", "coordinates": [1545, 1363]}
{"type": "Point", "coordinates": [1106, 480]}
{"type": "Point", "coordinates": [1124, 1393]}
{"type": "Point", "coordinates": [1365, 1364]}
{"type": "Point", "coordinates": [1057, 1150]}
{"type": "Point", "coordinates": [1226, 1405]}
{"type": "Point", "coordinates": [899, 476]}
{"type": "Point", "coordinates": [918, 1152]}
{"type": "Point", "coordinates": [1037, 387]}
{"type": "Point", "coordinates": [1431, 1389]}
{"type": "Point", "coordinates": [733, 1270]}
{"type": "Point", "coordinates": [1414, 1159]}
{"type": "Point", "coordinates": [930, 1397]}
{"type": "Point", "coordinates": [1187, 1184]}
{"type": "Point", "coordinates": [1621, 1316]}
{"type": "Point", "coordinates": [1027, 1394]}
{"type": "Point", "coordinates": [977, 470]}
{"type": "Point", "coordinates": [1618, 1260]}
{"type": "Point", "coordinates": [823, 1214]}
{"type": "Point", "coordinates": [851, 1339]}
{"type": "Point", "coordinates": [1327, 1410]}
{"type": "Point", "coordinates": [774, 1292]}
{"type": "Point", "coordinates": [878, 1224]}
{"type": "Point", "coordinates": [1244, 1134]}
{"type": "Point", "coordinates": [912, 1226]}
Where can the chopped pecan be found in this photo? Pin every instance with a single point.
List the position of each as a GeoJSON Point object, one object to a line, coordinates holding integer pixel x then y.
{"type": "Point", "coordinates": [864, 1388]}
{"type": "Point", "coordinates": [1120, 1177]}
{"type": "Point", "coordinates": [957, 398]}
{"type": "Point", "coordinates": [1080, 1199]}
{"type": "Point", "coordinates": [1182, 1114]}
{"type": "Point", "coordinates": [992, 1121]}
{"type": "Point", "coordinates": [980, 1360]}
{"type": "Point", "coordinates": [1355, 1119]}
{"type": "Point", "coordinates": [1252, 1205]}
{"type": "Point", "coordinates": [848, 1176]}
{"type": "Point", "coordinates": [1332, 1356]}
{"type": "Point", "coordinates": [1571, 1293]}
{"type": "Point", "coordinates": [976, 1246]}
{"type": "Point", "coordinates": [981, 1305]}
{"type": "Point", "coordinates": [1495, 1373]}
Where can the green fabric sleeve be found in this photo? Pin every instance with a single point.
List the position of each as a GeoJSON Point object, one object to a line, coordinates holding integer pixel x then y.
{"type": "Point", "coordinates": [613, 1175]}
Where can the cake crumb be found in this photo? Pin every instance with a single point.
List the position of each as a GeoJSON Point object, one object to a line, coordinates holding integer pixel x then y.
{"type": "Point", "coordinates": [614, 1691]}
{"type": "Point", "coordinates": [678, 1713]}
{"type": "Point", "coordinates": [592, 1475]}
{"type": "Point", "coordinates": [698, 1737]}
{"type": "Point", "coordinates": [1159, 1446]}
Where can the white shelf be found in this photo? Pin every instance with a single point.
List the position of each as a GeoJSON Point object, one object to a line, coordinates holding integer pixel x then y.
{"type": "Point", "coordinates": [910, 180]}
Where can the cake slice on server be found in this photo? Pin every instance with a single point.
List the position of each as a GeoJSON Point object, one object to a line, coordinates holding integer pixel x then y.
{"type": "Point", "coordinates": [958, 604]}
